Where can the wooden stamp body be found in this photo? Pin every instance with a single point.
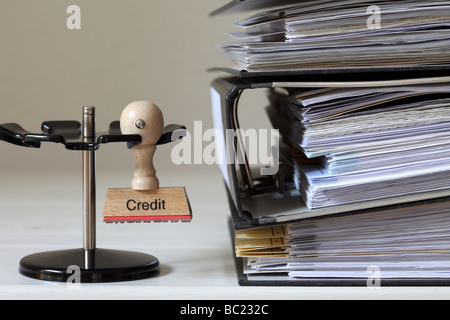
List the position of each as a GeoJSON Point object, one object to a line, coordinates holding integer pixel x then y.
{"type": "Point", "coordinates": [146, 119]}
{"type": "Point", "coordinates": [145, 202]}
{"type": "Point", "coordinates": [144, 174]}
{"type": "Point", "coordinates": [162, 204]}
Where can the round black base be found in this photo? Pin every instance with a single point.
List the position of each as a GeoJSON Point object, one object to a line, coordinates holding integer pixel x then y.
{"type": "Point", "coordinates": [92, 266]}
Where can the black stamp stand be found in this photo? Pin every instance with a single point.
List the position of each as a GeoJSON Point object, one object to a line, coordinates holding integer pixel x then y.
{"type": "Point", "coordinates": [95, 265]}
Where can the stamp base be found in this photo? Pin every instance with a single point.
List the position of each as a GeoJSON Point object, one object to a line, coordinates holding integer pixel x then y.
{"type": "Point", "coordinates": [95, 266]}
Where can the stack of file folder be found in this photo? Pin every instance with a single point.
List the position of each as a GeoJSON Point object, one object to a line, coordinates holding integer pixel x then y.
{"type": "Point", "coordinates": [371, 143]}
{"type": "Point", "coordinates": [343, 34]}
{"type": "Point", "coordinates": [362, 194]}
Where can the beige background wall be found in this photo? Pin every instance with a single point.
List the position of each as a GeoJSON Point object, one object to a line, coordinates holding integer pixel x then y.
{"type": "Point", "coordinates": [126, 50]}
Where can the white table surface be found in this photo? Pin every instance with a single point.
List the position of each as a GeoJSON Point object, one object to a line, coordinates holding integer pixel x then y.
{"type": "Point", "coordinates": [43, 211]}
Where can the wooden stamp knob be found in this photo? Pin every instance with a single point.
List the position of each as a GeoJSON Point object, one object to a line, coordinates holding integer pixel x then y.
{"type": "Point", "coordinates": [146, 119]}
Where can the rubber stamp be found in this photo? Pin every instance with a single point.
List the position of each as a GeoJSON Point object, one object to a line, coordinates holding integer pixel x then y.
{"type": "Point", "coordinates": [145, 201]}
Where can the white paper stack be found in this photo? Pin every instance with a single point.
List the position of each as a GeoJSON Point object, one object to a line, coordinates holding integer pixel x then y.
{"type": "Point", "coordinates": [343, 34]}
{"type": "Point", "coordinates": [360, 93]}
{"type": "Point", "coordinates": [402, 243]}
{"type": "Point", "coordinates": [370, 143]}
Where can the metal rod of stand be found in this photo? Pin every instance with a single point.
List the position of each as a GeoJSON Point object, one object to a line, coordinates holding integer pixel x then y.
{"type": "Point", "coordinates": [89, 201]}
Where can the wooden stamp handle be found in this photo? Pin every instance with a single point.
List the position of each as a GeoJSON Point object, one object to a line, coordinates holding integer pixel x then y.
{"type": "Point", "coordinates": [146, 119]}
